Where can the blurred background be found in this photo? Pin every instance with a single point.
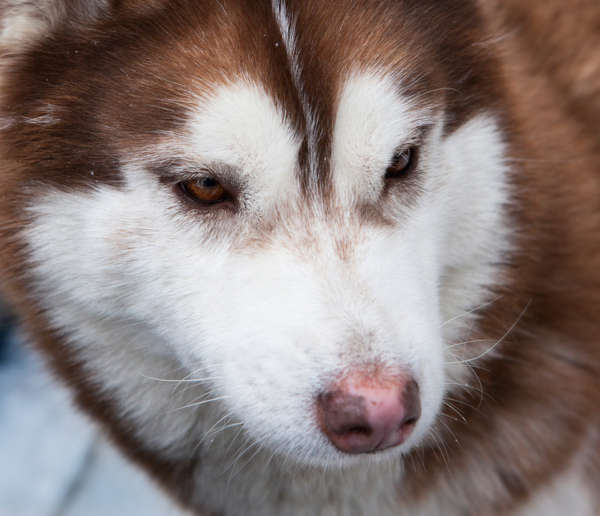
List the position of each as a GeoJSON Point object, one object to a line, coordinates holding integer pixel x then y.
{"type": "Point", "coordinates": [54, 460]}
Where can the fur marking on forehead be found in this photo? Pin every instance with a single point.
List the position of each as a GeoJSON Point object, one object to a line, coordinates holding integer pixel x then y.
{"type": "Point", "coordinates": [288, 33]}
{"type": "Point", "coordinates": [241, 126]}
{"type": "Point", "coordinates": [373, 121]}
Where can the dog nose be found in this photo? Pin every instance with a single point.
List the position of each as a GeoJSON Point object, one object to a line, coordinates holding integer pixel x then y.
{"type": "Point", "coordinates": [368, 412]}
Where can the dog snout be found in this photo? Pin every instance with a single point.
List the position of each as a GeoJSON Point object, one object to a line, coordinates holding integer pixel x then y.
{"type": "Point", "coordinates": [368, 411]}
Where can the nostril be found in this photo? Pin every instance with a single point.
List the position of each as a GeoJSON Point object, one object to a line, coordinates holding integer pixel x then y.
{"type": "Point", "coordinates": [412, 405]}
{"type": "Point", "coordinates": [409, 422]}
{"type": "Point", "coordinates": [356, 430]}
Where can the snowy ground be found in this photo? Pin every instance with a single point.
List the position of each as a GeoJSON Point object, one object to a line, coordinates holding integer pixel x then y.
{"type": "Point", "coordinates": [54, 462]}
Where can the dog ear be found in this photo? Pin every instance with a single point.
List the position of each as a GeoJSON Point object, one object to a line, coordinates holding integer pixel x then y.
{"type": "Point", "coordinates": [24, 22]}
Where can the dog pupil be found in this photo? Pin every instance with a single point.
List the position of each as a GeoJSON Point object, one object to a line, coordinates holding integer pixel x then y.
{"type": "Point", "coordinates": [208, 182]}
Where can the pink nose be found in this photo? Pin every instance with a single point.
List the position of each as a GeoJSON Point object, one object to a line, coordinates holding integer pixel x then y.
{"type": "Point", "coordinates": [367, 412]}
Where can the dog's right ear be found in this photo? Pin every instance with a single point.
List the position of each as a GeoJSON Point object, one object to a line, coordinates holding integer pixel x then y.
{"type": "Point", "coordinates": [24, 22]}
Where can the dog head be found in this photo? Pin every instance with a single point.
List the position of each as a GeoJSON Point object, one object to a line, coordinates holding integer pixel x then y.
{"type": "Point", "coordinates": [298, 204]}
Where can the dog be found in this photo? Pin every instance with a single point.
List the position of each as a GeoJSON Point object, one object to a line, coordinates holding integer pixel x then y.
{"type": "Point", "coordinates": [315, 258]}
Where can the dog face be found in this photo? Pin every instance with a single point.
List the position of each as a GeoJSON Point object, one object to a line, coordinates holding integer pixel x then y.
{"type": "Point", "coordinates": [248, 197]}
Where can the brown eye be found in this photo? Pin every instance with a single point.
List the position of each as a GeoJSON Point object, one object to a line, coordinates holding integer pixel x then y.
{"type": "Point", "coordinates": [403, 163]}
{"type": "Point", "coordinates": [205, 190]}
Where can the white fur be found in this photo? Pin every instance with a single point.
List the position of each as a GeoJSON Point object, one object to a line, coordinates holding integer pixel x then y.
{"type": "Point", "coordinates": [148, 289]}
{"type": "Point", "coordinates": [240, 126]}
{"type": "Point", "coordinates": [570, 493]}
{"type": "Point", "coordinates": [566, 495]}
{"type": "Point", "coordinates": [474, 175]}
{"type": "Point", "coordinates": [372, 123]}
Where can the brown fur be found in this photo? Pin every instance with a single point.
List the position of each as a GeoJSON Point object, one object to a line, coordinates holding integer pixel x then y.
{"type": "Point", "coordinates": [536, 64]}
{"type": "Point", "coordinates": [541, 396]}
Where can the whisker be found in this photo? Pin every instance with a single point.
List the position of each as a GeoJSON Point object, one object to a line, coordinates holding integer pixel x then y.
{"type": "Point", "coordinates": [229, 425]}
{"type": "Point", "coordinates": [234, 439]}
{"type": "Point", "coordinates": [498, 342]}
{"type": "Point", "coordinates": [464, 342]}
{"type": "Point", "coordinates": [199, 403]}
{"type": "Point", "coordinates": [479, 382]}
{"type": "Point", "coordinates": [472, 310]}
{"type": "Point", "coordinates": [449, 430]}
{"type": "Point", "coordinates": [207, 434]}
{"type": "Point", "coordinates": [461, 402]}
{"type": "Point", "coordinates": [183, 380]}
{"type": "Point", "coordinates": [231, 468]}
{"type": "Point", "coordinates": [456, 411]}
{"type": "Point", "coordinates": [440, 447]}
{"type": "Point", "coordinates": [210, 437]}
{"type": "Point", "coordinates": [249, 460]}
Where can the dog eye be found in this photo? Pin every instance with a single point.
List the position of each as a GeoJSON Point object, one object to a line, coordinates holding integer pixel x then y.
{"type": "Point", "coordinates": [403, 163]}
{"type": "Point", "coordinates": [205, 191]}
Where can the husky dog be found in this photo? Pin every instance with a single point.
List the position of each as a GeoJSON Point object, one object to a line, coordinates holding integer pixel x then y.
{"type": "Point", "coordinates": [311, 257]}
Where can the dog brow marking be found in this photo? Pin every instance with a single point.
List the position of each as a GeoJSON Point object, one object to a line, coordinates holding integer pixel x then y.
{"type": "Point", "coordinates": [287, 28]}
